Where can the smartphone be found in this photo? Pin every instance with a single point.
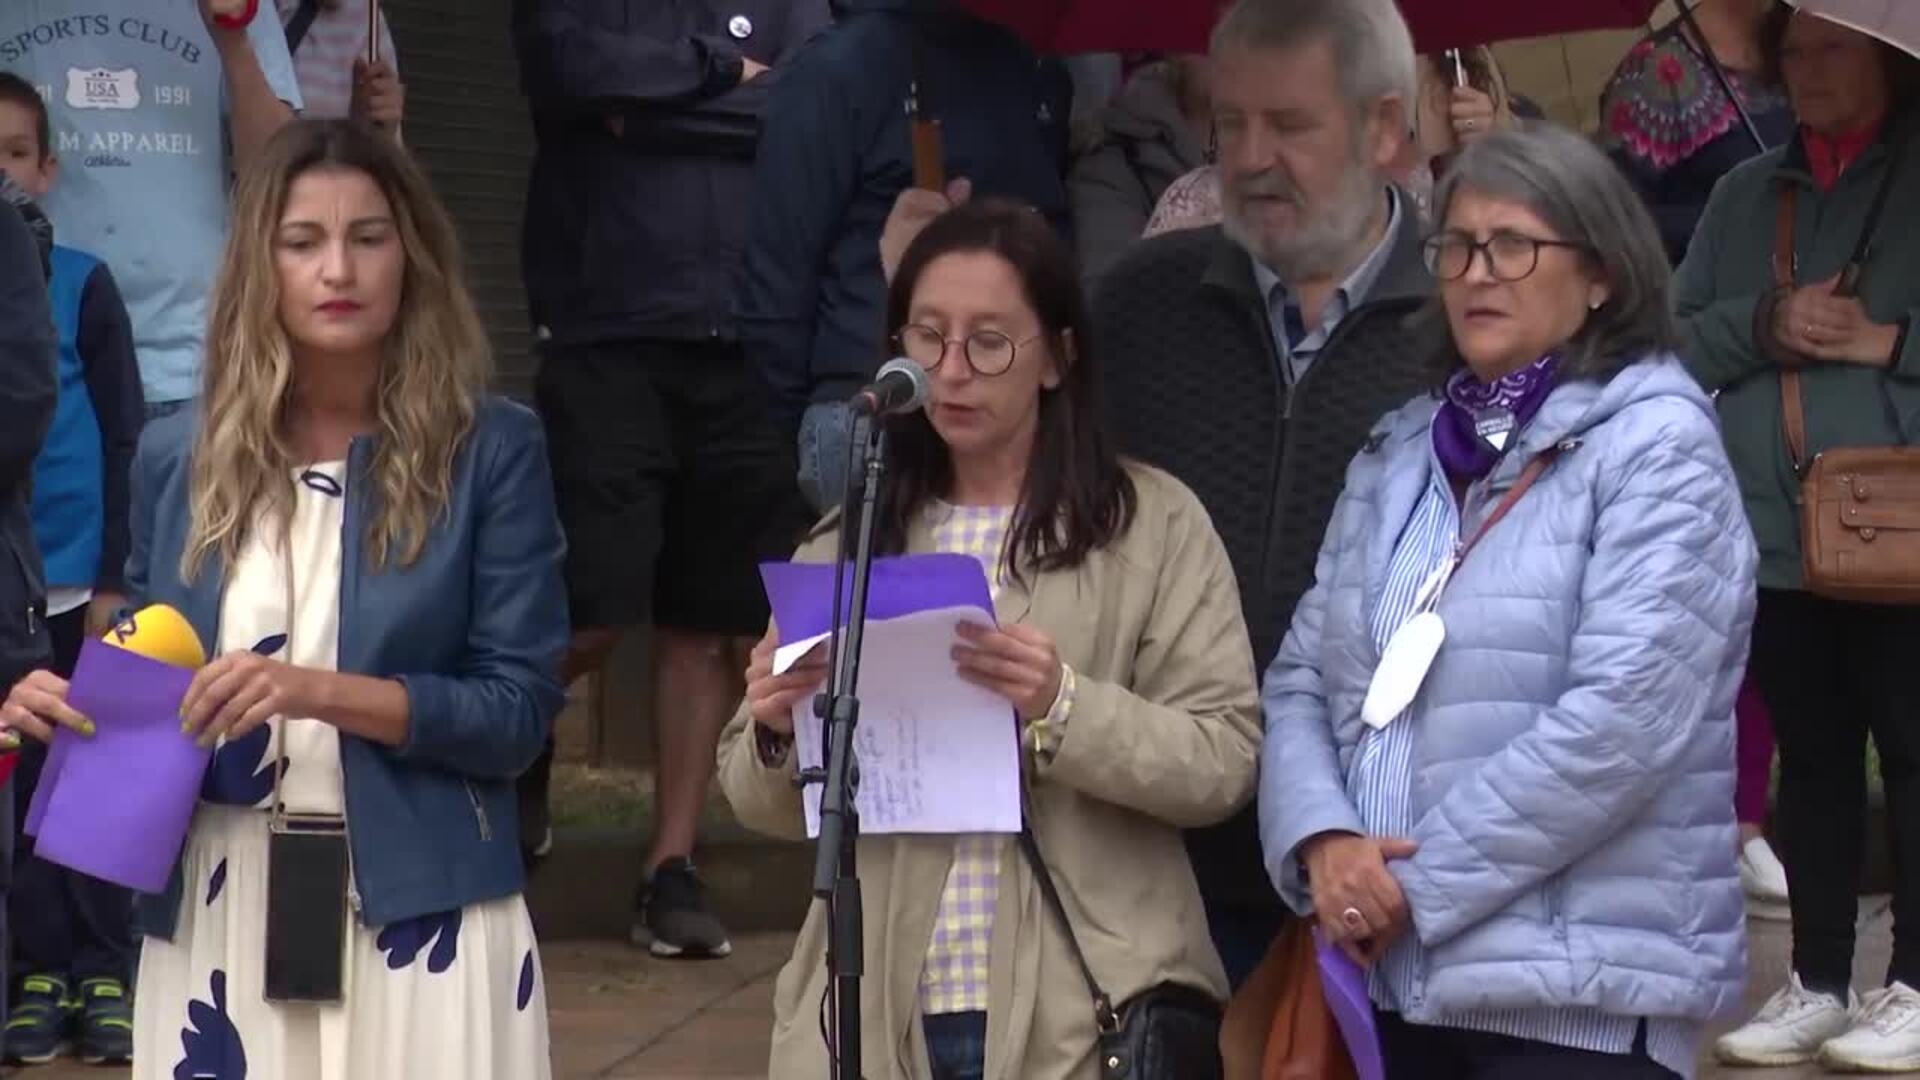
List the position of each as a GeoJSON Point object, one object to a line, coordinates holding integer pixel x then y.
{"type": "Point", "coordinates": [307, 868]}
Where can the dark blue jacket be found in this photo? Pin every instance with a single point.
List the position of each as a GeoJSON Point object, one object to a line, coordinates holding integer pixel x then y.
{"type": "Point", "coordinates": [474, 629]}
{"type": "Point", "coordinates": [28, 355]}
{"type": "Point", "coordinates": [80, 478]}
{"type": "Point", "coordinates": [639, 234]}
{"type": "Point", "coordinates": [835, 152]}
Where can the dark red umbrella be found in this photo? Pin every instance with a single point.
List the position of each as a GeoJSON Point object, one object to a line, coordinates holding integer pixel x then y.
{"type": "Point", "coordinates": [1077, 26]}
{"type": "Point", "coordinates": [1457, 24]}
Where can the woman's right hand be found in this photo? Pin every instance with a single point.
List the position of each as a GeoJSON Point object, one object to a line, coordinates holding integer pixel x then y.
{"type": "Point", "coordinates": [771, 697]}
{"type": "Point", "coordinates": [37, 704]}
{"type": "Point", "coordinates": [1358, 902]}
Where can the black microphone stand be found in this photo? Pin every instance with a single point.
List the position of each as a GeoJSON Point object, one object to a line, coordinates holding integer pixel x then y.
{"type": "Point", "coordinates": [835, 876]}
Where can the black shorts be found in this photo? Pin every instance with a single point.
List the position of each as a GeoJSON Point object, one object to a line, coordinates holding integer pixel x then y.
{"type": "Point", "coordinates": [673, 484]}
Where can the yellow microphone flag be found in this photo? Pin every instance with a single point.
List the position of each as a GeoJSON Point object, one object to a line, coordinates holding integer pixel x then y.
{"type": "Point", "coordinates": [159, 633]}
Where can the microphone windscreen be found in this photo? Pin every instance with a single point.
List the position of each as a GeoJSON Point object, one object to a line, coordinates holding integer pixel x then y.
{"type": "Point", "coordinates": [159, 633]}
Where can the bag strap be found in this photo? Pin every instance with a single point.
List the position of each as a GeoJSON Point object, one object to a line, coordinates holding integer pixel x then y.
{"type": "Point", "coordinates": [301, 22]}
{"type": "Point", "coordinates": [1104, 1017]}
{"type": "Point", "coordinates": [1786, 266]}
{"type": "Point", "coordinates": [1528, 477]}
{"type": "Point", "coordinates": [1863, 248]}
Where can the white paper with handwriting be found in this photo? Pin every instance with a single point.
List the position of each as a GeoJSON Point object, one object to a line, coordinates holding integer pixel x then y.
{"type": "Point", "coordinates": [936, 754]}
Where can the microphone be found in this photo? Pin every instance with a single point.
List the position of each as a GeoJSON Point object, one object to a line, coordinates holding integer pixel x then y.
{"type": "Point", "coordinates": [160, 633]}
{"type": "Point", "coordinates": [901, 386]}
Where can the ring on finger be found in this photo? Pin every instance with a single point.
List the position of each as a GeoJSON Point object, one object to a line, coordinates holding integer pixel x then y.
{"type": "Point", "coordinates": [1353, 919]}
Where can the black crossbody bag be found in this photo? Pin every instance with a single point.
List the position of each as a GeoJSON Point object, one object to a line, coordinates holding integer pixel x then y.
{"type": "Point", "coordinates": [1166, 1032]}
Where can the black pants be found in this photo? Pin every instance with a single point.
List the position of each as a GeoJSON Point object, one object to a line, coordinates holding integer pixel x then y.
{"type": "Point", "coordinates": [1421, 1052]}
{"type": "Point", "coordinates": [1833, 673]}
{"type": "Point", "coordinates": [64, 922]}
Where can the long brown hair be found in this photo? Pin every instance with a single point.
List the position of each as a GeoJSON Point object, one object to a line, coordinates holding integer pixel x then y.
{"type": "Point", "coordinates": [431, 380]}
{"type": "Point", "coordinates": [1077, 497]}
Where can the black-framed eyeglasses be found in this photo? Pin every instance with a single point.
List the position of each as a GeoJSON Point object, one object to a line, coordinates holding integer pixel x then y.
{"type": "Point", "coordinates": [988, 352]}
{"type": "Point", "coordinates": [1511, 256]}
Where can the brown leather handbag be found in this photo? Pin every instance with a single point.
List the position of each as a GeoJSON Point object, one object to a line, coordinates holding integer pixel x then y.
{"type": "Point", "coordinates": [1279, 1026]}
{"type": "Point", "coordinates": [1859, 506]}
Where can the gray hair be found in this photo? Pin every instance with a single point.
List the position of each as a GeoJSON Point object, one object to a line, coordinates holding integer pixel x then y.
{"type": "Point", "coordinates": [1571, 186]}
{"type": "Point", "coordinates": [1372, 47]}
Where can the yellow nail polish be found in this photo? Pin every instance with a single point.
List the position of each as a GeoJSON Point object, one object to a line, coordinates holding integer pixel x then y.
{"type": "Point", "coordinates": [86, 728]}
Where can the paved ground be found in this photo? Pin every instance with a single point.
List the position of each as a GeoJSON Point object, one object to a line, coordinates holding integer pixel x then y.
{"type": "Point", "coordinates": [619, 1014]}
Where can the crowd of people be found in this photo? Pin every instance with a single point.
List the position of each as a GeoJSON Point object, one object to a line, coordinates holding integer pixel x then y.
{"type": "Point", "coordinates": [1389, 501]}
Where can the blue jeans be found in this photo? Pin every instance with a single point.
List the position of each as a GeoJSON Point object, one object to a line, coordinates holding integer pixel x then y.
{"type": "Point", "coordinates": [826, 435]}
{"type": "Point", "coordinates": [957, 1045]}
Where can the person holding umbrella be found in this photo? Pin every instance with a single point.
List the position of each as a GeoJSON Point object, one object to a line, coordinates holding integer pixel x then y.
{"type": "Point", "coordinates": [1759, 296]}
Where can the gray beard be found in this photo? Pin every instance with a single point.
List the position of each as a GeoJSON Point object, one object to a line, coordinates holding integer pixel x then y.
{"type": "Point", "coordinates": [1327, 245]}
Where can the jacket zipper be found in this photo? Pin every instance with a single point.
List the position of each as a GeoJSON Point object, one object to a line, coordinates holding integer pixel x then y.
{"type": "Point", "coordinates": [1283, 448]}
{"type": "Point", "coordinates": [353, 881]}
{"type": "Point", "coordinates": [479, 811]}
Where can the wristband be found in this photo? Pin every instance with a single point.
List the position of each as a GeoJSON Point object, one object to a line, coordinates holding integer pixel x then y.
{"type": "Point", "coordinates": [240, 21]}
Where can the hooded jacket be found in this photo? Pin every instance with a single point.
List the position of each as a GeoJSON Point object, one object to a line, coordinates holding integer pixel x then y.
{"type": "Point", "coordinates": [1141, 146]}
{"type": "Point", "coordinates": [1572, 775]}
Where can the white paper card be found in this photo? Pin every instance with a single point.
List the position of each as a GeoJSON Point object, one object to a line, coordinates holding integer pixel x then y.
{"type": "Point", "coordinates": [1403, 667]}
{"type": "Point", "coordinates": [937, 754]}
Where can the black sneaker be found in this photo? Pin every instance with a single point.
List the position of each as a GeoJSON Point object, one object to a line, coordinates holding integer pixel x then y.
{"type": "Point", "coordinates": [42, 1021]}
{"type": "Point", "coordinates": [106, 1023]}
{"type": "Point", "coordinates": [674, 920]}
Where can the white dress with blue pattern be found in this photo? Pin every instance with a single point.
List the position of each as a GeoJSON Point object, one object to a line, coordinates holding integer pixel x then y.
{"type": "Point", "coordinates": [454, 995]}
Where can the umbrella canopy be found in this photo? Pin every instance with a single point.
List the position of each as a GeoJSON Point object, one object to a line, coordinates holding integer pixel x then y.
{"type": "Point", "coordinates": [1896, 22]}
{"type": "Point", "coordinates": [1076, 26]}
{"type": "Point", "coordinates": [1456, 24]}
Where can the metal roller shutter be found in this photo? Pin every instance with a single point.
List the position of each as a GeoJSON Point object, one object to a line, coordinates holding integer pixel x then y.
{"type": "Point", "coordinates": [467, 123]}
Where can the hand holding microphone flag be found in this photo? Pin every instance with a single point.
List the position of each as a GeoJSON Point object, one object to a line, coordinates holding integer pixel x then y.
{"type": "Point", "coordinates": [116, 806]}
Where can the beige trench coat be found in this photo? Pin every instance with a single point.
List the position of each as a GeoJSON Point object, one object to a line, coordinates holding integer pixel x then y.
{"type": "Point", "coordinates": [1164, 736]}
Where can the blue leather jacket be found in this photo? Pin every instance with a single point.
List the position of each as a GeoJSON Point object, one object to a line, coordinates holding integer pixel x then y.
{"type": "Point", "coordinates": [474, 629]}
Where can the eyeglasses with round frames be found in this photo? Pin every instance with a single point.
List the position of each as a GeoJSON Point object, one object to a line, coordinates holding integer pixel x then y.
{"type": "Point", "coordinates": [988, 352]}
{"type": "Point", "coordinates": [1510, 256]}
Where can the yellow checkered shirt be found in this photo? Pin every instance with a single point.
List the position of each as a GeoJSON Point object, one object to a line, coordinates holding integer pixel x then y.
{"type": "Point", "coordinates": [955, 979]}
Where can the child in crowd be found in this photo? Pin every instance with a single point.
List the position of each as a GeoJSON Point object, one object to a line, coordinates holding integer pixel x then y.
{"type": "Point", "coordinates": [73, 940]}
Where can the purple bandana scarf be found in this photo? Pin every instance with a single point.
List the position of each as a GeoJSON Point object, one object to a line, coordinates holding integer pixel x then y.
{"type": "Point", "coordinates": [1479, 421]}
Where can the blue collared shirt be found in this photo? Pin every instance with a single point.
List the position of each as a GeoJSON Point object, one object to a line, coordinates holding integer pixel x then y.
{"type": "Point", "coordinates": [1298, 346]}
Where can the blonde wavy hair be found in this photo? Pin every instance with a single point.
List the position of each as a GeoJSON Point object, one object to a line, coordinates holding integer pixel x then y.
{"type": "Point", "coordinates": [432, 379]}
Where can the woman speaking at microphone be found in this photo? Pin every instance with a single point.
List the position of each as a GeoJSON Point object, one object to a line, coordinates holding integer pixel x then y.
{"type": "Point", "coordinates": [1121, 655]}
{"type": "Point", "coordinates": [371, 542]}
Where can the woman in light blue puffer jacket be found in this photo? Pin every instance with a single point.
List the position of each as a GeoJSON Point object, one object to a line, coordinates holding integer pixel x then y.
{"type": "Point", "coordinates": [1529, 837]}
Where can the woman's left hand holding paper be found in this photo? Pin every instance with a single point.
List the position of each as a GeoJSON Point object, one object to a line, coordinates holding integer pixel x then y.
{"type": "Point", "coordinates": [241, 691]}
{"type": "Point", "coordinates": [37, 705]}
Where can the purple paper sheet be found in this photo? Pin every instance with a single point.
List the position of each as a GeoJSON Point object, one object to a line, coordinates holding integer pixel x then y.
{"type": "Point", "coordinates": [1346, 989]}
{"type": "Point", "coordinates": [117, 806]}
{"type": "Point", "coordinates": [801, 594]}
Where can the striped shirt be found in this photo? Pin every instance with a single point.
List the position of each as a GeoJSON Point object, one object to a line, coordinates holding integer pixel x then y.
{"type": "Point", "coordinates": [958, 955]}
{"type": "Point", "coordinates": [1381, 786]}
{"type": "Point", "coordinates": [324, 61]}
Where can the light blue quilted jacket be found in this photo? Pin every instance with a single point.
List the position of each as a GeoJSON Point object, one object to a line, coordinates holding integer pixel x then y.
{"type": "Point", "coordinates": [1573, 771]}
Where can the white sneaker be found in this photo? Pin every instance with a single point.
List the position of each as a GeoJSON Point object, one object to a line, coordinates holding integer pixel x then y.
{"type": "Point", "coordinates": [1789, 1029]}
{"type": "Point", "coordinates": [1764, 881]}
{"type": "Point", "coordinates": [1885, 1037]}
